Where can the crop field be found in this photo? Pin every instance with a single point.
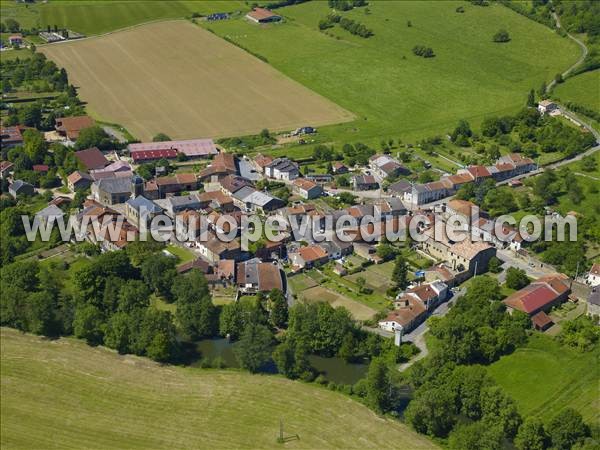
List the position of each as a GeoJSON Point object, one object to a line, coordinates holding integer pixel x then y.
{"type": "Point", "coordinates": [64, 394]}
{"type": "Point", "coordinates": [209, 88]}
{"type": "Point", "coordinates": [395, 93]}
{"type": "Point", "coordinates": [321, 294]}
{"type": "Point", "coordinates": [92, 17]}
{"type": "Point", "coordinates": [545, 377]}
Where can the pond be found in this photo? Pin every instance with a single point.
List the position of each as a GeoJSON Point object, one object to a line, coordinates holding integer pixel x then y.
{"type": "Point", "coordinates": [333, 369]}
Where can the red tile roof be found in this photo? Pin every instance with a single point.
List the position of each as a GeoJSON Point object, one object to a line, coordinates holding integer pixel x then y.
{"type": "Point", "coordinates": [153, 154]}
{"type": "Point", "coordinates": [261, 14]}
{"type": "Point", "coordinates": [541, 320]}
{"type": "Point", "coordinates": [479, 171]}
{"type": "Point", "coordinates": [312, 253]}
{"type": "Point", "coordinates": [40, 168]}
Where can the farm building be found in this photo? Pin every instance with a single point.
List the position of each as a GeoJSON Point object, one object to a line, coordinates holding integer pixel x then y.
{"type": "Point", "coordinates": [70, 127]}
{"type": "Point", "coordinates": [541, 295]}
{"type": "Point", "coordinates": [262, 15]}
{"type": "Point", "coordinates": [153, 155]}
{"type": "Point", "coordinates": [192, 148]}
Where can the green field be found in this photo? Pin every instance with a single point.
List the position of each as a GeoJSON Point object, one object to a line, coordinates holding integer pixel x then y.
{"type": "Point", "coordinates": [64, 394]}
{"type": "Point", "coordinates": [583, 89]}
{"type": "Point", "coordinates": [96, 17]}
{"type": "Point", "coordinates": [545, 377]}
{"type": "Point", "coordinates": [395, 93]}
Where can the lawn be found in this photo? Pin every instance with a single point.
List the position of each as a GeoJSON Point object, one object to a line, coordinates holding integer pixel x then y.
{"type": "Point", "coordinates": [545, 377]}
{"type": "Point", "coordinates": [101, 16]}
{"type": "Point", "coordinates": [183, 254]}
{"type": "Point", "coordinates": [395, 93]}
{"type": "Point", "coordinates": [208, 88]}
{"type": "Point", "coordinates": [64, 394]}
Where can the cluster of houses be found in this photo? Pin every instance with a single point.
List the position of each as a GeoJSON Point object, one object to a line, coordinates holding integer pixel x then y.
{"type": "Point", "coordinates": [118, 194]}
{"type": "Point", "coordinates": [506, 167]}
{"type": "Point", "coordinates": [413, 306]}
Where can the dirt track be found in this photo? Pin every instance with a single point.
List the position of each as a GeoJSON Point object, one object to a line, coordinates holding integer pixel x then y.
{"type": "Point", "coordinates": [176, 78]}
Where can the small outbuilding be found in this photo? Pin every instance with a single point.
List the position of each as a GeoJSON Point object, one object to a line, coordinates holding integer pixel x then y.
{"type": "Point", "coordinates": [263, 15]}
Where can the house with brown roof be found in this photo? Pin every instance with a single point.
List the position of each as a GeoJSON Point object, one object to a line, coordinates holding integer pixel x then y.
{"type": "Point", "coordinates": [339, 168]}
{"type": "Point", "coordinates": [364, 183]}
{"type": "Point", "coordinates": [255, 276]}
{"type": "Point", "coordinates": [215, 249]}
{"type": "Point", "coordinates": [175, 184]}
{"type": "Point", "coordinates": [261, 161]}
{"type": "Point", "coordinates": [79, 180]}
{"type": "Point", "coordinates": [466, 255]}
{"type": "Point", "coordinates": [92, 159]}
{"type": "Point", "coordinates": [216, 200]}
{"type": "Point", "coordinates": [308, 257]}
{"type": "Point", "coordinates": [408, 314]}
{"type": "Point", "coordinates": [5, 167]}
{"type": "Point", "coordinates": [223, 164]}
{"type": "Point", "coordinates": [70, 127]}
{"type": "Point", "coordinates": [11, 136]}
{"type": "Point", "coordinates": [306, 189]}
{"type": "Point", "coordinates": [464, 208]}
{"type": "Point", "coordinates": [541, 295]}
{"type": "Point", "coordinates": [230, 184]}
{"type": "Point", "coordinates": [262, 15]}
{"type": "Point", "coordinates": [197, 264]}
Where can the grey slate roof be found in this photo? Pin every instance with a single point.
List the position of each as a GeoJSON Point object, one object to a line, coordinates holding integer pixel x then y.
{"type": "Point", "coordinates": [114, 185]}
{"type": "Point", "coordinates": [142, 202]}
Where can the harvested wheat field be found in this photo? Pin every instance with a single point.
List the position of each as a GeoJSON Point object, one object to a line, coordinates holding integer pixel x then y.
{"type": "Point", "coordinates": [207, 88]}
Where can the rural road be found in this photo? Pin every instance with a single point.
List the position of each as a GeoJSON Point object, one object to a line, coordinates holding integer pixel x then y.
{"type": "Point", "coordinates": [417, 336]}
{"type": "Point", "coordinates": [584, 54]}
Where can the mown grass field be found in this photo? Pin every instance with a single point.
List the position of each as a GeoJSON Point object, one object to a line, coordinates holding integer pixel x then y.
{"type": "Point", "coordinates": [395, 93]}
{"type": "Point", "coordinates": [208, 88]}
{"type": "Point", "coordinates": [101, 16]}
{"type": "Point", "coordinates": [583, 89]}
{"type": "Point", "coordinates": [545, 377]}
{"type": "Point", "coordinates": [336, 299]}
{"type": "Point", "coordinates": [64, 394]}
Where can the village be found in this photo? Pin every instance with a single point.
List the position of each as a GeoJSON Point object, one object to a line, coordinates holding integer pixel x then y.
{"type": "Point", "coordinates": [354, 272]}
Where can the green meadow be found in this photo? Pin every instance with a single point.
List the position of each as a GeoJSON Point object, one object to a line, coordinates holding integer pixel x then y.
{"type": "Point", "coordinates": [395, 93]}
{"type": "Point", "coordinates": [545, 378]}
{"type": "Point", "coordinates": [64, 394]}
{"type": "Point", "coordinates": [101, 16]}
{"type": "Point", "coordinates": [583, 89]}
